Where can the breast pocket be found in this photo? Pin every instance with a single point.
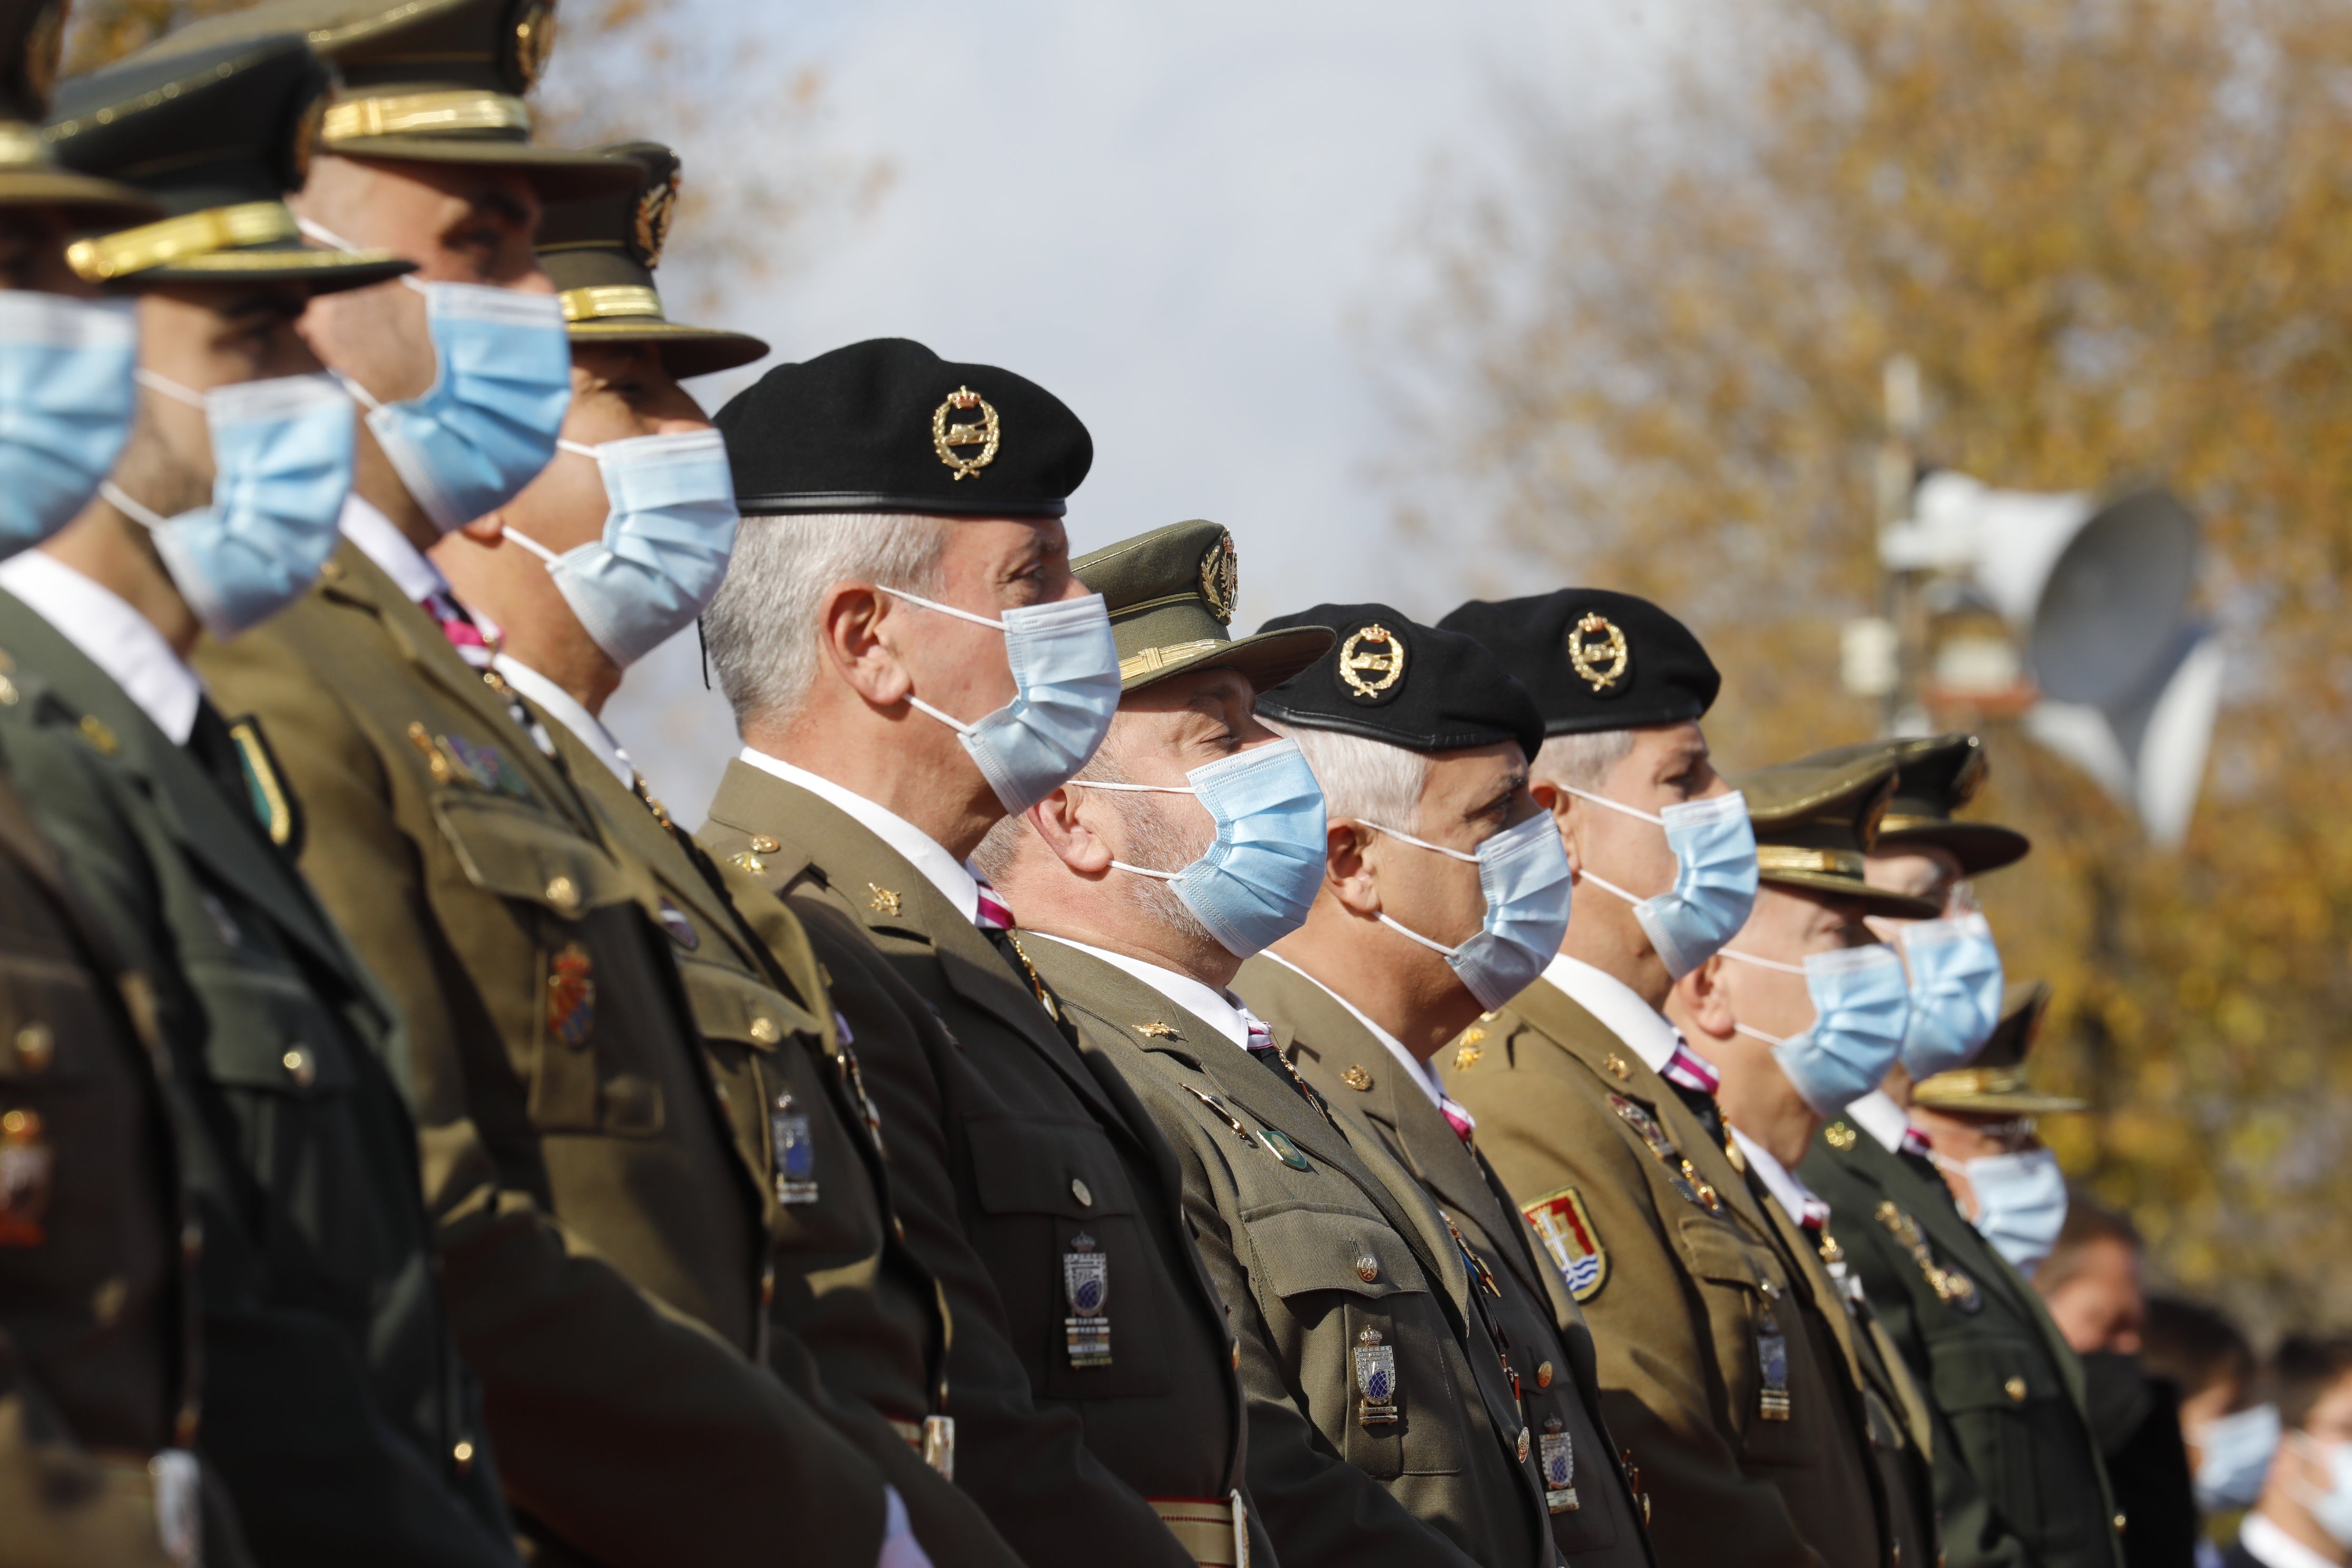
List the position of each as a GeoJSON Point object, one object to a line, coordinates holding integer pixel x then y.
{"type": "Point", "coordinates": [1368, 1341]}
{"type": "Point", "coordinates": [54, 1106]}
{"type": "Point", "coordinates": [1760, 1342]}
{"type": "Point", "coordinates": [1081, 1285]}
{"type": "Point", "coordinates": [2009, 1413]}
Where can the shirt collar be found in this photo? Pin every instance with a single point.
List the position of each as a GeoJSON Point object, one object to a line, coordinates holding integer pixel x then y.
{"type": "Point", "coordinates": [1421, 1072]}
{"type": "Point", "coordinates": [1212, 1006]}
{"type": "Point", "coordinates": [380, 538]}
{"type": "Point", "coordinates": [1879, 1116]}
{"type": "Point", "coordinates": [1647, 1032]}
{"type": "Point", "coordinates": [1796, 1198]}
{"type": "Point", "coordinates": [2272, 1545]}
{"type": "Point", "coordinates": [920, 850]}
{"type": "Point", "coordinates": [565, 708]}
{"type": "Point", "coordinates": [113, 635]}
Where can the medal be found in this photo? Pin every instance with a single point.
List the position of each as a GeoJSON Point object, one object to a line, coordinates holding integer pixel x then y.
{"type": "Point", "coordinates": [795, 1152]}
{"type": "Point", "coordinates": [1557, 1452]}
{"type": "Point", "coordinates": [1773, 1361]}
{"type": "Point", "coordinates": [1680, 1173]}
{"type": "Point", "coordinates": [1376, 1380]}
{"type": "Point", "coordinates": [1086, 1276]}
{"type": "Point", "coordinates": [25, 1163]}
{"type": "Point", "coordinates": [1950, 1286]}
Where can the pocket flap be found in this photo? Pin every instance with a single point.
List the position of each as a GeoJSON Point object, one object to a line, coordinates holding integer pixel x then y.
{"type": "Point", "coordinates": [1307, 1248]}
{"type": "Point", "coordinates": [269, 1032]}
{"type": "Point", "coordinates": [729, 1005]}
{"type": "Point", "coordinates": [1032, 1165]}
{"type": "Point", "coordinates": [1984, 1372]}
{"type": "Point", "coordinates": [518, 851]}
{"type": "Point", "coordinates": [1718, 1252]}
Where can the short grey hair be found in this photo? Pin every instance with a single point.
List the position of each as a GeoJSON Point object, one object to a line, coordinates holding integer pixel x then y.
{"type": "Point", "coordinates": [761, 629]}
{"type": "Point", "coordinates": [1582, 761]}
{"type": "Point", "coordinates": [1368, 780]}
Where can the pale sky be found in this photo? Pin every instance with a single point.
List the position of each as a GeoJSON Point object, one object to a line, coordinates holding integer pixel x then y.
{"type": "Point", "coordinates": [1189, 222]}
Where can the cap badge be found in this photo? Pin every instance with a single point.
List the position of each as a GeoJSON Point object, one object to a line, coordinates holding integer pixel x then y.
{"type": "Point", "coordinates": [1221, 579]}
{"type": "Point", "coordinates": [1386, 666]}
{"type": "Point", "coordinates": [980, 433]}
{"type": "Point", "coordinates": [656, 206]}
{"type": "Point", "coordinates": [533, 42]}
{"type": "Point", "coordinates": [1601, 662]}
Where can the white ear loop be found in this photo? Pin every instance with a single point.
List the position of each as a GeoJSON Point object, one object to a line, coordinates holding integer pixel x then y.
{"type": "Point", "coordinates": [139, 512]}
{"type": "Point", "coordinates": [168, 387]}
{"type": "Point", "coordinates": [1762, 964]}
{"type": "Point", "coordinates": [1594, 878]}
{"type": "Point", "coordinates": [958, 725]}
{"type": "Point", "coordinates": [1419, 844]}
{"type": "Point", "coordinates": [1136, 789]}
{"type": "Point", "coordinates": [323, 235]}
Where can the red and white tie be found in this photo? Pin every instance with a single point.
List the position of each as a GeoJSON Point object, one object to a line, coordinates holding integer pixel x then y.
{"type": "Point", "coordinates": [464, 633]}
{"type": "Point", "coordinates": [1690, 1070]}
{"type": "Point", "coordinates": [993, 914]}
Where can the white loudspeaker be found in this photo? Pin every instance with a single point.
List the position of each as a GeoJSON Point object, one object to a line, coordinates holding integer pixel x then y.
{"type": "Point", "coordinates": [2148, 748]}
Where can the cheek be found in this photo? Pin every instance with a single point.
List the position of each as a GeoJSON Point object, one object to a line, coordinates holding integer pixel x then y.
{"type": "Point", "coordinates": [1632, 853]}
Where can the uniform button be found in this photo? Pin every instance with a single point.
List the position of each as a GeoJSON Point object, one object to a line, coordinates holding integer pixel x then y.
{"type": "Point", "coordinates": [192, 1243]}
{"type": "Point", "coordinates": [1543, 1374]}
{"type": "Point", "coordinates": [763, 845]}
{"type": "Point", "coordinates": [463, 1454]}
{"type": "Point", "coordinates": [300, 1067]}
{"type": "Point", "coordinates": [764, 1031]}
{"type": "Point", "coordinates": [724, 1098]}
{"type": "Point", "coordinates": [185, 1423]}
{"type": "Point", "coordinates": [2120, 1524]}
{"type": "Point", "coordinates": [26, 1124]}
{"type": "Point", "coordinates": [1080, 1191]}
{"type": "Point", "coordinates": [1894, 1557]}
{"type": "Point", "coordinates": [2015, 1389]}
{"type": "Point", "coordinates": [34, 1045]}
{"type": "Point", "coordinates": [8, 692]}
{"type": "Point", "coordinates": [768, 1286]}
{"type": "Point", "coordinates": [563, 893]}
{"type": "Point", "coordinates": [1523, 1444]}
{"type": "Point", "coordinates": [106, 1302]}
{"type": "Point", "coordinates": [1368, 1268]}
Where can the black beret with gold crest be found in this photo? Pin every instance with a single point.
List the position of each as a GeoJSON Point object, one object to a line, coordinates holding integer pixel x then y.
{"type": "Point", "coordinates": [1594, 659]}
{"type": "Point", "coordinates": [1392, 679]}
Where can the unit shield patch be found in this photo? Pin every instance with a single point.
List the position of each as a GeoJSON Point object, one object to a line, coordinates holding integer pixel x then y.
{"type": "Point", "coordinates": [1556, 1453]}
{"type": "Point", "coordinates": [1376, 1380]}
{"type": "Point", "coordinates": [1085, 1277]}
{"type": "Point", "coordinates": [1566, 1231]}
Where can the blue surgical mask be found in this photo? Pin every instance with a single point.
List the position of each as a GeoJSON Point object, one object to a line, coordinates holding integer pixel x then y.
{"type": "Point", "coordinates": [1715, 878]}
{"type": "Point", "coordinates": [1523, 873]}
{"type": "Point", "coordinates": [1254, 885]}
{"type": "Point", "coordinates": [2330, 1509]}
{"type": "Point", "coordinates": [665, 546]}
{"type": "Point", "coordinates": [66, 402]}
{"type": "Point", "coordinates": [2234, 1454]}
{"type": "Point", "coordinates": [1064, 669]}
{"type": "Point", "coordinates": [2020, 1203]}
{"type": "Point", "coordinates": [282, 455]}
{"type": "Point", "coordinates": [488, 424]}
{"type": "Point", "coordinates": [1860, 1006]}
{"type": "Point", "coordinates": [1956, 992]}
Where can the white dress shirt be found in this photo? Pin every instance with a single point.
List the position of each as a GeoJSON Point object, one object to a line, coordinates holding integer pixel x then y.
{"type": "Point", "coordinates": [1421, 1072]}
{"type": "Point", "coordinates": [113, 635]}
{"type": "Point", "coordinates": [1218, 1009]}
{"type": "Point", "coordinates": [383, 542]}
{"type": "Point", "coordinates": [565, 710]}
{"type": "Point", "coordinates": [2262, 1536]}
{"type": "Point", "coordinates": [1878, 1115]}
{"type": "Point", "coordinates": [1794, 1196]}
{"type": "Point", "coordinates": [942, 870]}
{"type": "Point", "coordinates": [1647, 1033]}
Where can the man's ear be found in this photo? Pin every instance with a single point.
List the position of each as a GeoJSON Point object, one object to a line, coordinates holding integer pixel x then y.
{"type": "Point", "coordinates": [488, 529]}
{"type": "Point", "coordinates": [851, 622]}
{"type": "Point", "coordinates": [1347, 870]}
{"type": "Point", "coordinates": [1565, 816]}
{"type": "Point", "coordinates": [1703, 996]}
{"type": "Point", "coordinates": [1059, 823]}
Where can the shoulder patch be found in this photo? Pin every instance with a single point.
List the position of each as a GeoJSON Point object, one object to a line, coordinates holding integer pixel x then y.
{"type": "Point", "coordinates": [1565, 1228]}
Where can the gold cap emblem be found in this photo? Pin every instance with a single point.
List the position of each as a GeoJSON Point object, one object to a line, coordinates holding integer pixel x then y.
{"type": "Point", "coordinates": [1372, 651]}
{"type": "Point", "coordinates": [980, 433]}
{"type": "Point", "coordinates": [1597, 650]}
{"type": "Point", "coordinates": [533, 43]}
{"type": "Point", "coordinates": [1221, 579]}
{"type": "Point", "coordinates": [657, 205]}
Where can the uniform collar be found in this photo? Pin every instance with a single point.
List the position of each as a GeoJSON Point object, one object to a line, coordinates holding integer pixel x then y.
{"type": "Point", "coordinates": [1877, 1114]}
{"type": "Point", "coordinates": [918, 849]}
{"type": "Point", "coordinates": [1213, 1007]}
{"type": "Point", "coordinates": [380, 538]}
{"type": "Point", "coordinates": [1420, 1072]}
{"type": "Point", "coordinates": [2271, 1545]}
{"type": "Point", "coordinates": [1794, 1197]}
{"type": "Point", "coordinates": [565, 708]}
{"type": "Point", "coordinates": [110, 635]}
{"type": "Point", "coordinates": [1646, 1032]}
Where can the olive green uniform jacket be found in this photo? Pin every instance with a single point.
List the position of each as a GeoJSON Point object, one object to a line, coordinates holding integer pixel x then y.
{"type": "Point", "coordinates": [604, 1240]}
{"type": "Point", "coordinates": [335, 1405]}
{"type": "Point", "coordinates": [1006, 1143]}
{"type": "Point", "coordinates": [1549, 1355]}
{"type": "Point", "coordinates": [1692, 1286]}
{"type": "Point", "coordinates": [1315, 1242]}
{"type": "Point", "coordinates": [2019, 1480]}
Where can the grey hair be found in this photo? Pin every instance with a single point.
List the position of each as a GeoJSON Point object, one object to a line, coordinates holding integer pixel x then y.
{"type": "Point", "coordinates": [1583, 761]}
{"type": "Point", "coordinates": [761, 629]}
{"type": "Point", "coordinates": [1368, 780]}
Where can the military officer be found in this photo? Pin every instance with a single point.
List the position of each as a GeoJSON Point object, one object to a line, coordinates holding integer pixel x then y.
{"type": "Point", "coordinates": [336, 1407]}
{"type": "Point", "coordinates": [911, 660]}
{"type": "Point", "coordinates": [1421, 743]}
{"type": "Point", "coordinates": [2018, 1474]}
{"type": "Point", "coordinates": [612, 550]}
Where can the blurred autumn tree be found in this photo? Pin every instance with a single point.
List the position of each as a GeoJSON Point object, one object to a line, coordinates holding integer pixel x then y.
{"type": "Point", "coordinates": [2116, 234]}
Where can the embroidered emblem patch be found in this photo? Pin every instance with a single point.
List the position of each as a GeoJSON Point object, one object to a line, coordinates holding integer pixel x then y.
{"type": "Point", "coordinates": [570, 995]}
{"type": "Point", "coordinates": [1566, 1231]}
{"type": "Point", "coordinates": [1281, 1144]}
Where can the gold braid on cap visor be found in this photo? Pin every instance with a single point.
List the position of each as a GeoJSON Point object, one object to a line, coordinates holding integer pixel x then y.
{"type": "Point", "coordinates": [608, 300]}
{"type": "Point", "coordinates": [1830, 862]}
{"type": "Point", "coordinates": [180, 240]}
{"type": "Point", "coordinates": [423, 113]}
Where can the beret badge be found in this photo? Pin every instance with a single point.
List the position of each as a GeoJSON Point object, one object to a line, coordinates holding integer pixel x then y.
{"type": "Point", "coordinates": [1221, 579]}
{"type": "Point", "coordinates": [1372, 651]}
{"type": "Point", "coordinates": [1597, 651]}
{"type": "Point", "coordinates": [982, 432]}
{"type": "Point", "coordinates": [657, 205]}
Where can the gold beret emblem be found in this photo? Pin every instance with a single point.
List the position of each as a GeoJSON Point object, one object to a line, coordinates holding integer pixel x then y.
{"type": "Point", "coordinates": [533, 42]}
{"type": "Point", "coordinates": [980, 433]}
{"type": "Point", "coordinates": [1357, 661]}
{"type": "Point", "coordinates": [657, 205]}
{"type": "Point", "coordinates": [1602, 661]}
{"type": "Point", "coordinates": [1221, 579]}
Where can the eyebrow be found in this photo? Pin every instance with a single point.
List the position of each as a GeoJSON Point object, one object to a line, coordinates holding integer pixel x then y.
{"type": "Point", "coordinates": [1501, 799]}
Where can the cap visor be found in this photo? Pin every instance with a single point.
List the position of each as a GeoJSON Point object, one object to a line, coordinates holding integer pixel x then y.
{"type": "Point", "coordinates": [1266, 661]}
{"type": "Point", "coordinates": [1873, 900]}
{"type": "Point", "coordinates": [87, 202]}
{"type": "Point", "coordinates": [2015, 1102]}
{"type": "Point", "coordinates": [686, 351]}
{"type": "Point", "coordinates": [1979, 846]}
{"type": "Point", "coordinates": [554, 172]}
{"type": "Point", "coordinates": [325, 271]}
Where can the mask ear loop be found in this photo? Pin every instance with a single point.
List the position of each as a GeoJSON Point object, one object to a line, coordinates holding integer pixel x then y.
{"type": "Point", "coordinates": [1407, 932]}
{"type": "Point", "coordinates": [958, 725]}
{"type": "Point", "coordinates": [1739, 1028]}
{"type": "Point", "coordinates": [1140, 789]}
{"type": "Point", "coordinates": [1594, 878]}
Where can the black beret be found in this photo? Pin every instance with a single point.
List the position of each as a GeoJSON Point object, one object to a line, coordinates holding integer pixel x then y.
{"type": "Point", "coordinates": [1388, 678]}
{"type": "Point", "coordinates": [1595, 660]}
{"type": "Point", "coordinates": [888, 425]}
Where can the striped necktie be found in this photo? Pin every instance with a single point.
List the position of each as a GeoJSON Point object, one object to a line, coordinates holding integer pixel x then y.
{"type": "Point", "coordinates": [464, 633]}
{"type": "Point", "coordinates": [992, 913]}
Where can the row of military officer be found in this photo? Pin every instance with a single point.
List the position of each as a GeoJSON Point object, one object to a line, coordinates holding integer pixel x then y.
{"type": "Point", "coordinates": [415, 1149]}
